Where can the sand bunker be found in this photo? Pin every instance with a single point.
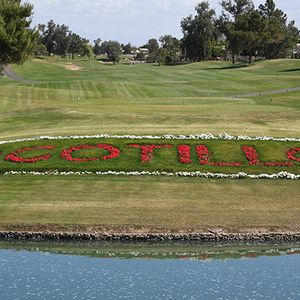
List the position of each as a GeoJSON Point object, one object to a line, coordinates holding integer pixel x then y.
{"type": "Point", "coordinates": [72, 67]}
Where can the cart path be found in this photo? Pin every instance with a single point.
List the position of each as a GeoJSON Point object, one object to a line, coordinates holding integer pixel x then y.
{"type": "Point", "coordinates": [10, 73]}
{"type": "Point", "coordinates": [267, 93]}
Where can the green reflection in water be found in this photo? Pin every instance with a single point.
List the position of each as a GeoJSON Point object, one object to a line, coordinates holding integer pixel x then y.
{"type": "Point", "coordinates": [195, 251]}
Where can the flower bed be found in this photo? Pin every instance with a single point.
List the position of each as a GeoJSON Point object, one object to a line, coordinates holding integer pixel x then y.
{"type": "Point", "coordinates": [206, 155]}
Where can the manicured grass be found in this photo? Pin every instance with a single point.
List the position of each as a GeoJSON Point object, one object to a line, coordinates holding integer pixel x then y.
{"type": "Point", "coordinates": [175, 203]}
{"type": "Point", "coordinates": [147, 99]}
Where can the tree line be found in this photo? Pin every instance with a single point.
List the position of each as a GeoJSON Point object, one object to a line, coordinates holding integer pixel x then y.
{"type": "Point", "coordinates": [240, 29]}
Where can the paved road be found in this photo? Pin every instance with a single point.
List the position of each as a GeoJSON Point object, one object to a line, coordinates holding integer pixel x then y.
{"type": "Point", "coordinates": [267, 93]}
{"type": "Point", "coordinates": [9, 72]}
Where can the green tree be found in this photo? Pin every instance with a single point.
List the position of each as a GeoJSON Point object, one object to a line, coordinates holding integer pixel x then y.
{"type": "Point", "coordinates": [218, 48]}
{"type": "Point", "coordinates": [62, 40]}
{"type": "Point", "coordinates": [236, 8]}
{"type": "Point", "coordinates": [280, 37]}
{"type": "Point", "coordinates": [75, 45]}
{"type": "Point", "coordinates": [127, 48]}
{"type": "Point", "coordinates": [292, 38]}
{"type": "Point", "coordinates": [97, 47]}
{"type": "Point", "coordinates": [232, 11]}
{"type": "Point", "coordinates": [40, 50]}
{"type": "Point", "coordinates": [55, 37]}
{"type": "Point", "coordinates": [250, 30]}
{"type": "Point", "coordinates": [48, 36]}
{"type": "Point", "coordinates": [86, 49]}
{"type": "Point", "coordinates": [162, 56]}
{"type": "Point", "coordinates": [113, 50]}
{"type": "Point", "coordinates": [17, 40]}
{"type": "Point", "coordinates": [173, 47]}
{"type": "Point", "coordinates": [198, 32]}
{"type": "Point", "coordinates": [153, 47]}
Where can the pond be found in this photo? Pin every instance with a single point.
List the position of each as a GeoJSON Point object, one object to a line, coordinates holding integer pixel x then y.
{"type": "Point", "coordinates": [39, 270]}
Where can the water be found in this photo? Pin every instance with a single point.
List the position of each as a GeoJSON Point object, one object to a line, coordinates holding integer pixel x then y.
{"type": "Point", "coordinates": [39, 271]}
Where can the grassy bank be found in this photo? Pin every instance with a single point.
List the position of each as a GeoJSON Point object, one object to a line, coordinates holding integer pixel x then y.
{"type": "Point", "coordinates": [174, 203]}
{"type": "Point", "coordinates": [147, 99]}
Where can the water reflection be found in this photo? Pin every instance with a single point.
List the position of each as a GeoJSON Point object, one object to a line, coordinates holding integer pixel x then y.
{"type": "Point", "coordinates": [154, 271]}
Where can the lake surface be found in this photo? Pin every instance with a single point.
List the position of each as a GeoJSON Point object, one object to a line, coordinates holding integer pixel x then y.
{"type": "Point", "coordinates": [176, 271]}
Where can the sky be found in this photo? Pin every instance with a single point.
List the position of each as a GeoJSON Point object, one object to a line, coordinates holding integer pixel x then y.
{"type": "Point", "coordinates": [132, 21]}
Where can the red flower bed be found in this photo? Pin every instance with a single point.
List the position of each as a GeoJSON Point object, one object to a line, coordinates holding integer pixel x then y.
{"type": "Point", "coordinates": [203, 154]}
{"type": "Point", "coordinates": [184, 154]}
{"type": "Point", "coordinates": [204, 158]}
{"type": "Point", "coordinates": [252, 157]}
{"type": "Point", "coordinates": [148, 150]}
{"type": "Point", "coordinates": [291, 154]}
{"type": "Point", "coordinates": [14, 157]}
{"type": "Point", "coordinates": [67, 154]}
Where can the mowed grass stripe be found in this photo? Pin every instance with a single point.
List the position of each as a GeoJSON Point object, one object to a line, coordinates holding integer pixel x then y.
{"type": "Point", "coordinates": [189, 203]}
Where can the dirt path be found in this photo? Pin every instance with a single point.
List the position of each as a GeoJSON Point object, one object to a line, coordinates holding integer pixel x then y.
{"type": "Point", "coordinates": [10, 73]}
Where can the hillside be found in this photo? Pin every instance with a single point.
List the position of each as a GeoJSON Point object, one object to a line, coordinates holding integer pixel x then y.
{"type": "Point", "coordinates": [122, 99]}
{"type": "Point", "coordinates": [55, 97]}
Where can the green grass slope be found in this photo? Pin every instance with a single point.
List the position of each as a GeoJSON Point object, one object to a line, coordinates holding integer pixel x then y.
{"type": "Point", "coordinates": [150, 99]}
{"type": "Point", "coordinates": [147, 99]}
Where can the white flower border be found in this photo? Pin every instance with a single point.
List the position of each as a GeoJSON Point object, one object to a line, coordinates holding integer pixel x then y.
{"type": "Point", "coordinates": [241, 175]}
{"type": "Point", "coordinates": [207, 136]}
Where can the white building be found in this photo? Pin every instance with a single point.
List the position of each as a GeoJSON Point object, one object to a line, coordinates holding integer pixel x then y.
{"type": "Point", "coordinates": [296, 51]}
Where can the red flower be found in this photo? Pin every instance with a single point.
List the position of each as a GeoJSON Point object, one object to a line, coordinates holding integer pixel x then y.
{"type": "Point", "coordinates": [184, 154]}
{"type": "Point", "coordinates": [148, 150]}
{"type": "Point", "coordinates": [67, 154]}
{"type": "Point", "coordinates": [204, 158]}
{"type": "Point", "coordinates": [14, 157]}
{"type": "Point", "coordinates": [252, 157]}
{"type": "Point", "coordinates": [291, 154]}
{"type": "Point", "coordinates": [203, 154]}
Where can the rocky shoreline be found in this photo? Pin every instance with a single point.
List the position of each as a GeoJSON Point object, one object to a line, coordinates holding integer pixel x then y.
{"type": "Point", "coordinates": [152, 237]}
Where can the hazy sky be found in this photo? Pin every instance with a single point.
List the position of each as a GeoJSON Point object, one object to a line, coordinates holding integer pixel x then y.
{"type": "Point", "coordinates": [132, 21]}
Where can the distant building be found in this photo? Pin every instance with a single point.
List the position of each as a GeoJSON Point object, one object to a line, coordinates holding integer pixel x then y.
{"type": "Point", "coordinates": [144, 51]}
{"type": "Point", "coordinates": [140, 54]}
{"type": "Point", "coordinates": [296, 51]}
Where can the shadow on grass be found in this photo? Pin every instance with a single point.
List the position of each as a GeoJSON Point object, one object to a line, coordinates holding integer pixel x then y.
{"type": "Point", "coordinates": [231, 67]}
{"type": "Point", "coordinates": [102, 59]}
{"type": "Point", "coordinates": [290, 70]}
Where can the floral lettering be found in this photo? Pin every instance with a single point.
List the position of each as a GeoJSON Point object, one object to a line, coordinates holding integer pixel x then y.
{"type": "Point", "coordinates": [184, 154]}
{"type": "Point", "coordinates": [67, 154]}
{"type": "Point", "coordinates": [291, 154]}
{"type": "Point", "coordinates": [252, 157]}
{"type": "Point", "coordinates": [14, 157]}
{"type": "Point", "coordinates": [148, 151]}
{"type": "Point", "coordinates": [204, 157]}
